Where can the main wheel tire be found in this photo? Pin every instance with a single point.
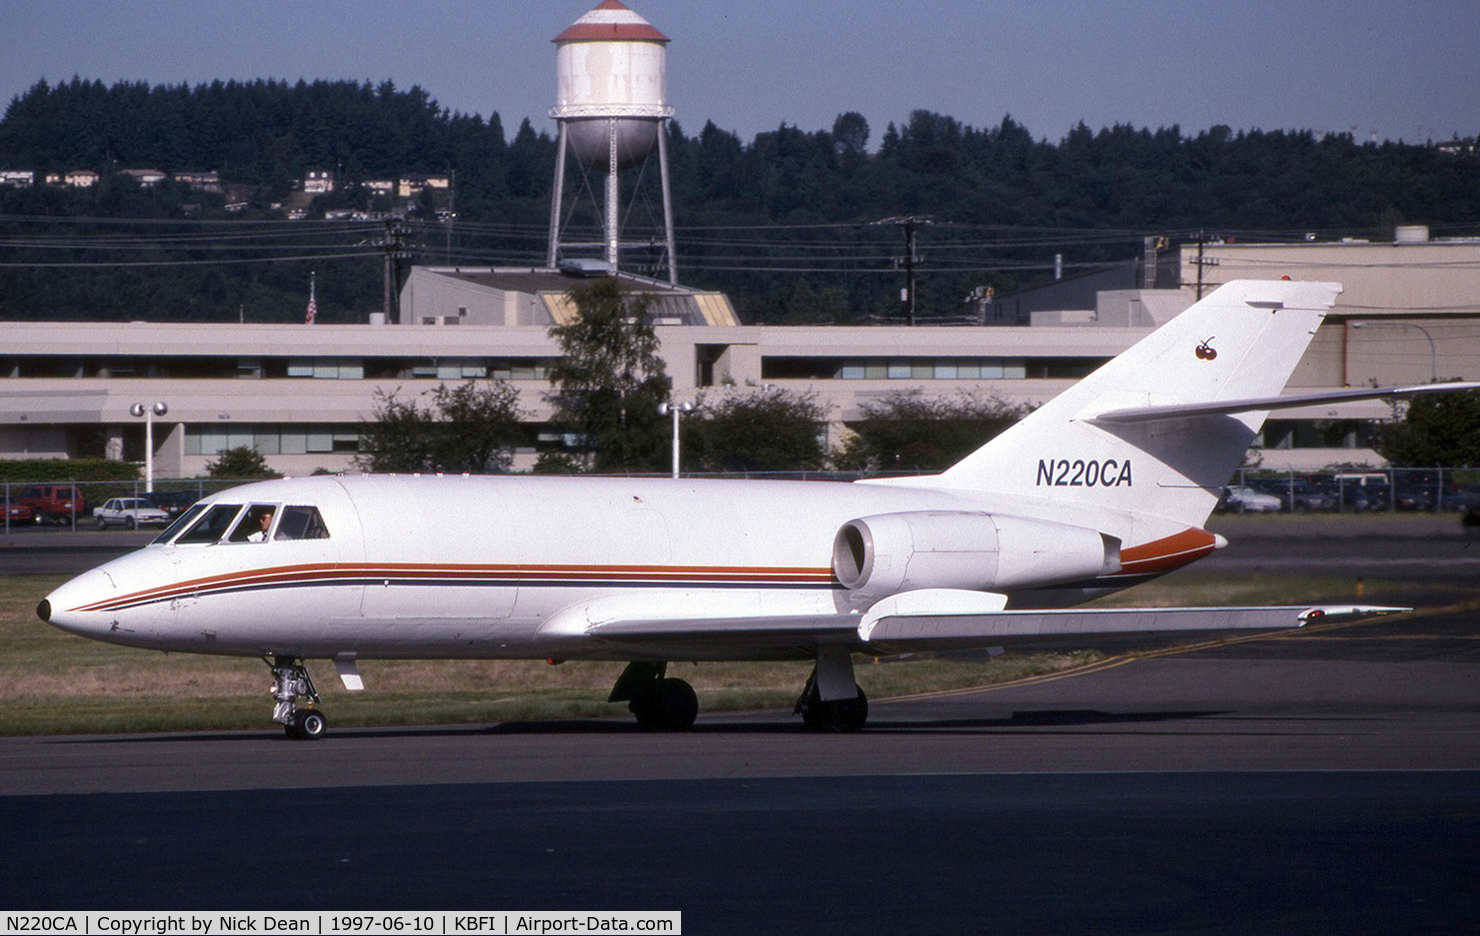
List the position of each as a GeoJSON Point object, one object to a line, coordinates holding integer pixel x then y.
{"type": "Point", "coordinates": [672, 705]}
{"type": "Point", "coordinates": [847, 716]}
{"type": "Point", "coordinates": [307, 725]}
{"type": "Point", "coordinates": [841, 716]}
{"type": "Point", "coordinates": [680, 704]}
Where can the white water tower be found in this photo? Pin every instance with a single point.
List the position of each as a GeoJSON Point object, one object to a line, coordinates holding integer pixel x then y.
{"type": "Point", "coordinates": [610, 68]}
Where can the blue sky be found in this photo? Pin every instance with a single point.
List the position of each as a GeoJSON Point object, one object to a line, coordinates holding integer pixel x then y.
{"type": "Point", "coordinates": [1384, 69]}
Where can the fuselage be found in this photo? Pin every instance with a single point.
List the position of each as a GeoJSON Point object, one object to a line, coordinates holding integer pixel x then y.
{"type": "Point", "coordinates": [499, 566]}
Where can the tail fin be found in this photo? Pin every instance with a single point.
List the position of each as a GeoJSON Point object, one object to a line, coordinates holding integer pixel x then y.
{"type": "Point", "coordinates": [1242, 342]}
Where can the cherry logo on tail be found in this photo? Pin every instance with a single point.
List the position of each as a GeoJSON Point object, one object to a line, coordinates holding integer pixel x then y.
{"type": "Point", "coordinates": [1205, 351]}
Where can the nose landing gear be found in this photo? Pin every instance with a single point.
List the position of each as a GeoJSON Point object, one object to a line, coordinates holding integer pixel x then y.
{"type": "Point", "coordinates": [296, 700]}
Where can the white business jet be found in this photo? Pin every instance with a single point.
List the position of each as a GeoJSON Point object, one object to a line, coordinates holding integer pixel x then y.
{"type": "Point", "coordinates": [1103, 487]}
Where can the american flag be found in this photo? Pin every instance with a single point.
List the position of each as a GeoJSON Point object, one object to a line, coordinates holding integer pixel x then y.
{"type": "Point", "coordinates": [313, 307]}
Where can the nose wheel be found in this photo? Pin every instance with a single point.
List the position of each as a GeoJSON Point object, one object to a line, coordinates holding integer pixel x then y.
{"type": "Point", "coordinates": [297, 700]}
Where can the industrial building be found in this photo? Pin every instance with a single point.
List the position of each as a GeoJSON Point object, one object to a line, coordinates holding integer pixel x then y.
{"type": "Point", "coordinates": [1410, 313]}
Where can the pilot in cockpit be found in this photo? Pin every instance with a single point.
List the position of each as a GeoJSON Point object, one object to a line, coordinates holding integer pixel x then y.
{"type": "Point", "coordinates": [263, 521]}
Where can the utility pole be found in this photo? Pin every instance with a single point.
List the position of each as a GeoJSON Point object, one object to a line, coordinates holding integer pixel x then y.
{"type": "Point", "coordinates": [393, 244]}
{"type": "Point", "coordinates": [1202, 239]}
{"type": "Point", "coordinates": [451, 213]}
{"type": "Point", "coordinates": [911, 259]}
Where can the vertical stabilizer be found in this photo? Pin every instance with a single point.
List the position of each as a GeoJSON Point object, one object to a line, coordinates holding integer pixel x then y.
{"type": "Point", "coordinates": [1243, 341]}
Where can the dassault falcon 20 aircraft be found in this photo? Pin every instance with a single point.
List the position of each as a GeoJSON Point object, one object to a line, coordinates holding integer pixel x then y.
{"type": "Point", "coordinates": [1105, 486]}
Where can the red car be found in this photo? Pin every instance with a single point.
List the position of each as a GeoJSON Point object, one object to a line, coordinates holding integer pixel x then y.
{"type": "Point", "coordinates": [57, 503]}
{"type": "Point", "coordinates": [16, 512]}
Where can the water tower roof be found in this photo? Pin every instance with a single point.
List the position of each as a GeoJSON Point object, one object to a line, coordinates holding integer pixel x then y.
{"type": "Point", "coordinates": [611, 21]}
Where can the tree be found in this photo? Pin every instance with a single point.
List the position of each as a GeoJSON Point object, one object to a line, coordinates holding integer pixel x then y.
{"type": "Point", "coordinates": [1439, 429]}
{"type": "Point", "coordinates": [467, 428]}
{"type": "Point", "coordinates": [610, 379]}
{"type": "Point", "coordinates": [906, 432]}
{"type": "Point", "coordinates": [770, 430]}
{"type": "Point", "coordinates": [850, 134]}
{"type": "Point", "coordinates": [240, 462]}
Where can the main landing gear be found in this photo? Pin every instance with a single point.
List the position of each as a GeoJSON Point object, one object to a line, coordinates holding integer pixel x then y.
{"type": "Point", "coordinates": [832, 700]}
{"type": "Point", "coordinates": [660, 703]}
{"type": "Point", "coordinates": [292, 687]}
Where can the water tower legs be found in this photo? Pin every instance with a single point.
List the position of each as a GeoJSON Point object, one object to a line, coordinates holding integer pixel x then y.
{"type": "Point", "coordinates": [555, 201]}
{"type": "Point", "coordinates": [667, 204]}
{"type": "Point", "coordinates": [612, 194]}
{"type": "Point", "coordinates": [611, 211]}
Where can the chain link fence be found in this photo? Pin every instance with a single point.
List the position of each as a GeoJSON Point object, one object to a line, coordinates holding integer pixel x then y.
{"type": "Point", "coordinates": [67, 503]}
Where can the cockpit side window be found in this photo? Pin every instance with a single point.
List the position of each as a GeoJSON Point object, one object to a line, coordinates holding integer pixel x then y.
{"type": "Point", "coordinates": [255, 525]}
{"type": "Point", "coordinates": [180, 523]}
{"type": "Point", "coordinates": [212, 526]}
{"type": "Point", "coordinates": [301, 523]}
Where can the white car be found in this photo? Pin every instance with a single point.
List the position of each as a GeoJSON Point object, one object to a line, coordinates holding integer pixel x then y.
{"type": "Point", "coordinates": [131, 512]}
{"type": "Point", "coordinates": [1248, 500]}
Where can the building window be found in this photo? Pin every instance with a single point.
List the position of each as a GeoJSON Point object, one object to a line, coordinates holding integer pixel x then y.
{"type": "Point", "coordinates": [272, 440]}
{"type": "Point", "coordinates": [942, 368]}
{"type": "Point", "coordinates": [327, 368]}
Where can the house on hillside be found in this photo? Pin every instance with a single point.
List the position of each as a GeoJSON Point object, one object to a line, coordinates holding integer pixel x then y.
{"type": "Point", "coordinates": [147, 178]}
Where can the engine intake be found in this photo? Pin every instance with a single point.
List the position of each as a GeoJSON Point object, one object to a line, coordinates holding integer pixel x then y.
{"type": "Point", "coordinates": [889, 553]}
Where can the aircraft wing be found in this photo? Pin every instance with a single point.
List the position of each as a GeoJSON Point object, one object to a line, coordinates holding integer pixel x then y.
{"type": "Point", "coordinates": [1135, 414]}
{"type": "Point", "coordinates": [946, 619]}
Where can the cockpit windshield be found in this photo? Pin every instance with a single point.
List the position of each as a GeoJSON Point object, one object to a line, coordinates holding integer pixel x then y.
{"type": "Point", "coordinates": [212, 526]}
{"type": "Point", "coordinates": [180, 523]}
{"type": "Point", "coordinates": [256, 523]}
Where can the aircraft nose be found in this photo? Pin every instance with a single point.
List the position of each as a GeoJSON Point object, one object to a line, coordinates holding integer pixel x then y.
{"type": "Point", "coordinates": [62, 608]}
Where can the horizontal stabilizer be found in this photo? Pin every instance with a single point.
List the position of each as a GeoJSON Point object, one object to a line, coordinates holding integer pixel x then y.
{"type": "Point", "coordinates": [1261, 404]}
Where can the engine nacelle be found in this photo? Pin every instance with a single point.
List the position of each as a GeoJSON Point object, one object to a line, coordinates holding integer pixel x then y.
{"type": "Point", "coordinates": [896, 552]}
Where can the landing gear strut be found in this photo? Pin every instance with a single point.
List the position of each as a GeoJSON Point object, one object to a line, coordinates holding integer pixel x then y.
{"type": "Point", "coordinates": [291, 683]}
{"type": "Point", "coordinates": [660, 703]}
{"type": "Point", "coordinates": [831, 700]}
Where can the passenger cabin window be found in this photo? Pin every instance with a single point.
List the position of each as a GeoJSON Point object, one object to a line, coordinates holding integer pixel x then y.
{"type": "Point", "coordinates": [301, 523]}
{"type": "Point", "coordinates": [255, 525]}
{"type": "Point", "coordinates": [212, 526]}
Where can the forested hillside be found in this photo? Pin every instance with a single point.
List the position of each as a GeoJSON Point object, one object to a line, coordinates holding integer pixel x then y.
{"type": "Point", "coordinates": [784, 222]}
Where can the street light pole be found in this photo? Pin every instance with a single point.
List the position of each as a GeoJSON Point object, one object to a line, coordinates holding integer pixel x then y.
{"type": "Point", "coordinates": [149, 412]}
{"type": "Point", "coordinates": [665, 409]}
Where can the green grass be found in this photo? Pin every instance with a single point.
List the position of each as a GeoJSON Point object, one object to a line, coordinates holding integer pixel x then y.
{"type": "Point", "coordinates": [56, 683]}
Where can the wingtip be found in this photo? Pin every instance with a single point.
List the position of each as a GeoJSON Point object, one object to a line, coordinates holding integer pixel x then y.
{"type": "Point", "coordinates": [1334, 613]}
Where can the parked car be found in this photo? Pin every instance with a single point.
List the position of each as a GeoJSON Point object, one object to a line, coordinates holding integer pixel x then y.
{"type": "Point", "coordinates": [173, 503]}
{"type": "Point", "coordinates": [1247, 500]}
{"type": "Point", "coordinates": [1465, 499]}
{"type": "Point", "coordinates": [1297, 497]}
{"type": "Point", "coordinates": [53, 503]}
{"type": "Point", "coordinates": [16, 512]}
{"type": "Point", "coordinates": [1361, 498]}
{"type": "Point", "coordinates": [132, 512]}
{"type": "Point", "coordinates": [1413, 496]}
